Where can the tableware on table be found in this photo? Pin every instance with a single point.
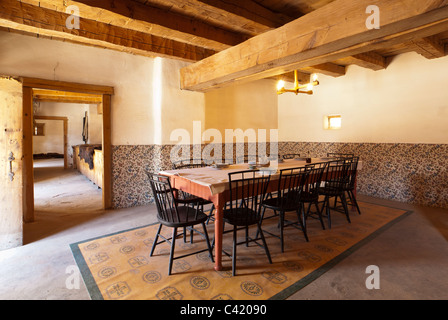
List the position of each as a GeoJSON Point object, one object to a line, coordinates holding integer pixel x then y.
{"type": "Point", "coordinates": [220, 165]}
{"type": "Point", "coordinates": [254, 165]}
{"type": "Point", "coordinates": [268, 170]}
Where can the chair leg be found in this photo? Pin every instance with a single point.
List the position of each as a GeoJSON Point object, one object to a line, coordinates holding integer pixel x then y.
{"type": "Point", "coordinates": [344, 204]}
{"type": "Point", "coordinates": [335, 201]}
{"type": "Point", "coordinates": [302, 225]}
{"type": "Point", "coordinates": [304, 212]}
{"type": "Point", "coordinates": [282, 224]}
{"type": "Point", "coordinates": [234, 251]}
{"type": "Point", "coordinates": [266, 249]}
{"type": "Point", "coordinates": [320, 215]}
{"type": "Point", "coordinates": [208, 241]}
{"type": "Point", "coordinates": [210, 214]}
{"type": "Point", "coordinates": [173, 243]}
{"type": "Point", "coordinates": [262, 214]}
{"type": "Point", "coordinates": [353, 199]}
{"type": "Point", "coordinates": [155, 240]}
{"type": "Point", "coordinates": [327, 210]}
{"type": "Point", "coordinates": [261, 221]}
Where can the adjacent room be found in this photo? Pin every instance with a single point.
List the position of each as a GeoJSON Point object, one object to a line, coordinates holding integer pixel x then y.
{"type": "Point", "coordinates": [67, 159]}
{"type": "Point", "coordinates": [223, 150]}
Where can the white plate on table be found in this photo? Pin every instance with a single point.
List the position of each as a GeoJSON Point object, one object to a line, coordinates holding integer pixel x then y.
{"type": "Point", "coordinates": [258, 165]}
{"type": "Point", "coordinates": [220, 165]}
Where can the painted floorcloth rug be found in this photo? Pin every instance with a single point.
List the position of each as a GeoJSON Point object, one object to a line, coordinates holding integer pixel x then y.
{"type": "Point", "coordinates": [118, 266]}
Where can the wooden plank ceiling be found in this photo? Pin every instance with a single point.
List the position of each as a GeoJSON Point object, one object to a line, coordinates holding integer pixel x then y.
{"type": "Point", "coordinates": [196, 30]}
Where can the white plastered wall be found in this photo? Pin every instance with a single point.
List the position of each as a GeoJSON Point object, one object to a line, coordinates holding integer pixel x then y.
{"type": "Point", "coordinates": [244, 106]}
{"type": "Point", "coordinates": [405, 103]}
{"type": "Point", "coordinates": [53, 139]}
{"type": "Point", "coordinates": [147, 104]}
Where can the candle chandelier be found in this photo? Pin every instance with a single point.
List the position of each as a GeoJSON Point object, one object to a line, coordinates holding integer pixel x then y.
{"type": "Point", "coordinates": [298, 88]}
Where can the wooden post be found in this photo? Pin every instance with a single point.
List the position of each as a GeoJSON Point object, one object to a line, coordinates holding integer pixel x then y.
{"type": "Point", "coordinates": [28, 176]}
{"type": "Point", "coordinates": [107, 152]}
{"type": "Point", "coordinates": [65, 143]}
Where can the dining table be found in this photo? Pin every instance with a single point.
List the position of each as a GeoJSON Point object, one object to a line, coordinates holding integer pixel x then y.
{"type": "Point", "coordinates": [212, 183]}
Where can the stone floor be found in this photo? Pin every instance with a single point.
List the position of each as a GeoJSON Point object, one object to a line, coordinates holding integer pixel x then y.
{"type": "Point", "coordinates": [412, 255]}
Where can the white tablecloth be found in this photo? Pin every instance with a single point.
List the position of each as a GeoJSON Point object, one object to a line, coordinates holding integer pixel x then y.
{"type": "Point", "coordinates": [218, 180]}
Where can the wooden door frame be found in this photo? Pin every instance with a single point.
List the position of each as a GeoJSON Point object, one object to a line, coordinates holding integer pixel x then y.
{"type": "Point", "coordinates": [28, 85]}
{"type": "Point", "coordinates": [65, 129]}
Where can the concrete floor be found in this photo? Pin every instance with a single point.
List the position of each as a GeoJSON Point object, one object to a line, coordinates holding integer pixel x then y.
{"type": "Point", "coordinates": [412, 255]}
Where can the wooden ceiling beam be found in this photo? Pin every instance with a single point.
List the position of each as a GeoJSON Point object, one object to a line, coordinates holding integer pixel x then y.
{"type": "Point", "coordinates": [370, 60]}
{"type": "Point", "coordinates": [38, 20]}
{"type": "Point", "coordinates": [334, 31]}
{"type": "Point", "coordinates": [429, 47]}
{"type": "Point", "coordinates": [245, 16]}
{"type": "Point", "coordinates": [158, 22]}
{"type": "Point", "coordinates": [302, 77]}
{"type": "Point", "coordinates": [329, 69]}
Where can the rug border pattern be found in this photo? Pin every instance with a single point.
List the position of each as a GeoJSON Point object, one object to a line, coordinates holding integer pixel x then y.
{"type": "Point", "coordinates": [95, 293]}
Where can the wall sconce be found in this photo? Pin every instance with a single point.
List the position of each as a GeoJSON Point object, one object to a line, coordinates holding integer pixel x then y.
{"type": "Point", "coordinates": [332, 122]}
{"type": "Point", "coordinates": [305, 88]}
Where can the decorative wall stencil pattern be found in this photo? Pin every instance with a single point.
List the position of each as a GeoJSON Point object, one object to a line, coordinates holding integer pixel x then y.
{"type": "Point", "coordinates": [414, 173]}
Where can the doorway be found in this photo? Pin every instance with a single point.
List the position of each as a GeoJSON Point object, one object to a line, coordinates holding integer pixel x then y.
{"type": "Point", "coordinates": [64, 183]}
{"type": "Point", "coordinates": [40, 131]}
{"type": "Point", "coordinates": [63, 92]}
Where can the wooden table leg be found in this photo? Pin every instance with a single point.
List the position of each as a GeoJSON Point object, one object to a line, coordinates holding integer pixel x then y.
{"type": "Point", "coordinates": [219, 205]}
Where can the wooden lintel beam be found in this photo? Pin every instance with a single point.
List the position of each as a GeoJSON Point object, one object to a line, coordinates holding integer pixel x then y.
{"type": "Point", "coordinates": [66, 100]}
{"type": "Point", "coordinates": [37, 20]}
{"type": "Point", "coordinates": [50, 118]}
{"type": "Point", "coordinates": [331, 32]}
{"type": "Point", "coordinates": [429, 47]}
{"type": "Point", "coordinates": [36, 83]}
{"type": "Point", "coordinates": [65, 96]}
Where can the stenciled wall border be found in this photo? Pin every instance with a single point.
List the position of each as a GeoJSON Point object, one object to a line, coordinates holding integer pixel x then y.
{"type": "Point", "coordinates": [413, 173]}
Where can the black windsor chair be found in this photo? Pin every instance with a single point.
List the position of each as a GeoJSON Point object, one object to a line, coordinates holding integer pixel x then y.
{"type": "Point", "coordinates": [174, 214]}
{"type": "Point", "coordinates": [310, 193]}
{"type": "Point", "coordinates": [335, 178]}
{"type": "Point", "coordinates": [290, 187]}
{"type": "Point", "coordinates": [247, 190]}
